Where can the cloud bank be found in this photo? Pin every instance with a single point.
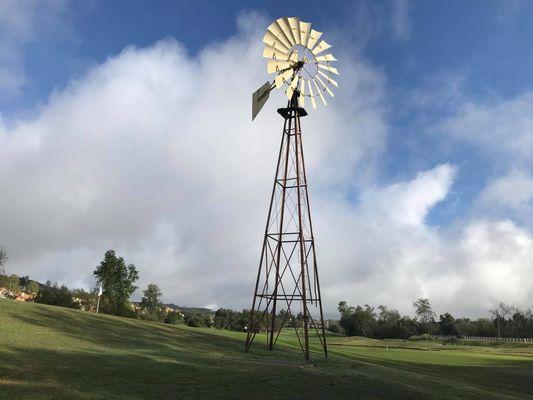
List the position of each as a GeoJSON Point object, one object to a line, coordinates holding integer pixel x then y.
{"type": "Point", "coordinates": [153, 153]}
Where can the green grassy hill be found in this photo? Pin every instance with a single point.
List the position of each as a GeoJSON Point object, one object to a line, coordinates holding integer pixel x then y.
{"type": "Point", "coordinates": [55, 353]}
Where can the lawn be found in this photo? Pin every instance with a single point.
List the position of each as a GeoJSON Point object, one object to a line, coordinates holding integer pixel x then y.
{"type": "Point", "coordinates": [55, 353]}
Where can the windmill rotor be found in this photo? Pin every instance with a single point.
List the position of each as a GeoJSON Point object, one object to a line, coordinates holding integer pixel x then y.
{"type": "Point", "coordinates": [298, 57]}
{"type": "Point", "coordinates": [287, 279]}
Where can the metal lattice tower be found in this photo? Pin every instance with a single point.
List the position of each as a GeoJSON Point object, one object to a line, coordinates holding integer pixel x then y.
{"type": "Point", "coordinates": [287, 279]}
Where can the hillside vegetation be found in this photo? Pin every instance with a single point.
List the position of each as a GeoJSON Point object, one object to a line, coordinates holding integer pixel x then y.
{"type": "Point", "coordinates": [49, 352]}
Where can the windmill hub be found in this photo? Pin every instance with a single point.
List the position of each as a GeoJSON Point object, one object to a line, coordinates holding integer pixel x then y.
{"type": "Point", "coordinates": [297, 56]}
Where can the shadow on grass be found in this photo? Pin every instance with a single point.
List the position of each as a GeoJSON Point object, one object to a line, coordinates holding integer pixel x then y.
{"type": "Point", "coordinates": [102, 357]}
{"type": "Point", "coordinates": [512, 377]}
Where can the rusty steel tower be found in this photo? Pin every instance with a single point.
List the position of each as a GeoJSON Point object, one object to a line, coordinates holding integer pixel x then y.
{"type": "Point", "coordinates": [287, 288]}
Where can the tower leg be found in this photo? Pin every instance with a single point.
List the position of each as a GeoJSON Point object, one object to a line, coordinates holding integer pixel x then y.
{"type": "Point", "coordinates": [288, 275]}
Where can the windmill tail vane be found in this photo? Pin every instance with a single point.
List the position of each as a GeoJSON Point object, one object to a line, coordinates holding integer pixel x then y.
{"type": "Point", "coordinates": [287, 288]}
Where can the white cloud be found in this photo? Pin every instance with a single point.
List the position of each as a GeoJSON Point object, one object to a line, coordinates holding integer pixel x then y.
{"type": "Point", "coordinates": [501, 128]}
{"type": "Point", "coordinates": [153, 153]}
{"type": "Point", "coordinates": [509, 196]}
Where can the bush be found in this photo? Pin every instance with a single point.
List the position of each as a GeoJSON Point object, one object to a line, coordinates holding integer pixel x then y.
{"type": "Point", "coordinates": [56, 296]}
{"type": "Point", "coordinates": [424, 336]}
{"type": "Point", "coordinates": [198, 320]}
{"type": "Point", "coordinates": [173, 318]}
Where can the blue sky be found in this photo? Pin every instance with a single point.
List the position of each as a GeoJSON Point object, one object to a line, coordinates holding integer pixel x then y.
{"type": "Point", "coordinates": [432, 115]}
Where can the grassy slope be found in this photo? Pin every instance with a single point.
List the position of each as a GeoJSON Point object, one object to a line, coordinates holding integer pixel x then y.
{"type": "Point", "coordinates": [54, 353]}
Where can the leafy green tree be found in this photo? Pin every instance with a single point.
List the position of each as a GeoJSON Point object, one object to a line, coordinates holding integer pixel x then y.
{"type": "Point", "coordinates": [357, 321]}
{"type": "Point", "coordinates": [150, 302]}
{"type": "Point", "coordinates": [198, 320]}
{"type": "Point", "coordinates": [447, 325]}
{"type": "Point", "coordinates": [3, 260]}
{"type": "Point", "coordinates": [32, 287]}
{"type": "Point", "coordinates": [13, 283]}
{"type": "Point", "coordinates": [424, 313]}
{"type": "Point", "coordinates": [56, 296]}
{"type": "Point", "coordinates": [118, 281]}
{"type": "Point", "coordinates": [173, 318]}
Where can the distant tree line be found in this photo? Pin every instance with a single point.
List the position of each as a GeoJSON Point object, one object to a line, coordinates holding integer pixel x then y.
{"type": "Point", "coordinates": [382, 322]}
{"type": "Point", "coordinates": [117, 281]}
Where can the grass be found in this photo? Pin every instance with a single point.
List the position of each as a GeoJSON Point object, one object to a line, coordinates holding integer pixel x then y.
{"type": "Point", "coordinates": [55, 353]}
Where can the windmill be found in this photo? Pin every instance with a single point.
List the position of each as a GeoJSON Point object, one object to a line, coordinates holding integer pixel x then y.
{"type": "Point", "coordinates": [287, 280]}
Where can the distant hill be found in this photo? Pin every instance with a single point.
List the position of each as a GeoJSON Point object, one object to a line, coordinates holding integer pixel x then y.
{"type": "Point", "coordinates": [199, 310]}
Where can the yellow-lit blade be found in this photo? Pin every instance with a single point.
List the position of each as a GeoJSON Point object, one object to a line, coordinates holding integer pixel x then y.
{"type": "Point", "coordinates": [325, 86]}
{"type": "Point", "coordinates": [283, 24]}
{"type": "Point", "coordinates": [275, 53]}
{"type": "Point", "coordinates": [294, 56]}
{"type": "Point", "coordinates": [301, 99]}
{"type": "Point", "coordinates": [311, 94]}
{"type": "Point", "coordinates": [292, 86]}
{"type": "Point", "coordinates": [283, 77]}
{"type": "Point", "coordinates": [280, 34]}
{"type": "Point", "coordinates": [294, 23]}
{"type": "Point", "coordinates": [328, 68]}
{"type": "Point", "coordinates": [314, 36]}
{"type": "Point", "coordinates": [319, 48]}
{"type": "Point", "coordinates": [305, 29]}
{"type": "Point", "coordinates": [334, 83]}
{"type": "Point", "coordinates": [274, 41]}
{"type": "Point", "coordinates": [327, 57]}
{"type": "Point", "coordinates": [276, 66]}
{"type": "Point", "coordinates": [320, 93]}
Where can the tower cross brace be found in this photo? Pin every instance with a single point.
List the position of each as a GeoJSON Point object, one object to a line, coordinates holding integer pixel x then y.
{"type": "Point", "coordinates": [287, 278]}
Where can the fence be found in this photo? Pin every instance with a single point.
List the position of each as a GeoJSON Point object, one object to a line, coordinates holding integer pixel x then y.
{"type": "Point", "coordinates": [498, 339]}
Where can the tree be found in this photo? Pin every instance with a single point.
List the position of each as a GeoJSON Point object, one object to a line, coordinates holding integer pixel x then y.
{"type": "Point", "coordinates": [357, 321]}
{"type": "Point", "coordinates": [32, 287]}
{"type": "Point", "coordinates": [198, 320]}
{"type": "Point", "coordinates": [3, 260]}
{"type": "Point", "coordinates": [117, 280]}
{"type": "Point", "coordinates": [500, 313]}
{"type": "Point", "coordinates": [173, 317]}
{"type": "Point", "coordinates": [56, 296]}
{"type": "Point", "coordinates": [447, 325]}
{"type": "Point", "coordinates": [424, 313]}
{"type": "Point", "coordinates": [150, 302]}
{"type": "Point", "coordinates": [13, 283]}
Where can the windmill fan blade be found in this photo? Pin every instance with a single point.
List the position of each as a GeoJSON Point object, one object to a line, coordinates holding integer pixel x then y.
{"type": "Point", "coordinates": [276, 66]}
{"type": "Point", "coordinates": [294, 23]}
{"type": "Point", "coordinates": [322, 46]}
{"type": "Point", "coordinates": [334, 83]}
{"type": "Point", "coordinates": [320, 93]}
{"type": "Point", "coordinates": [324, 86]}
{"type": "Point", "coordinates": [301, 98]}
{"type": "Point", "coordinates": [305, 29]}
{"type": "Point", "coordinates": [314, 36]}
{"type": "Point", "coordinates": [311, 94]}
{"type": "Point", "coordinates": [278, 32]}
{"type": "Point", "coordinates": [275, 53]}
{"type": "Point", "coordinates": [283, 77]}
{"type": "Point", "coordinates": [294, 56]}
{"type": "Point", "coordinates": [327, 57]}
{"type": "Point", "coordinates": [292, 87]}
{"type": "Point", "coordinates": [273, 40]}
{"type": "Point", "coordinates": [328, 68]}
{"type": "Point", "coordinates": [259, 98]}
{"type": "Point", "coordinates": [283, 24]}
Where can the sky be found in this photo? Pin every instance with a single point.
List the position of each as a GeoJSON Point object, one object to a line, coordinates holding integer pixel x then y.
{"type": "Point", "coordinates": [126, 125]}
